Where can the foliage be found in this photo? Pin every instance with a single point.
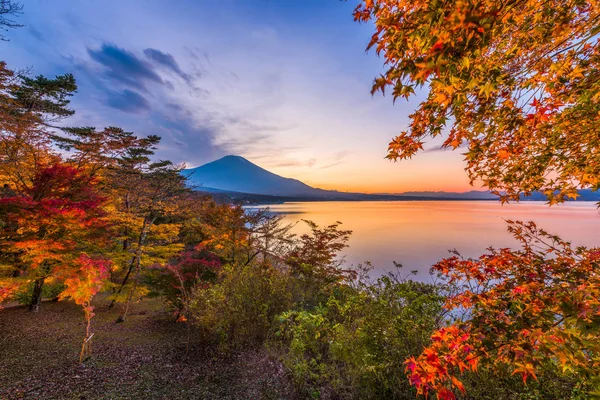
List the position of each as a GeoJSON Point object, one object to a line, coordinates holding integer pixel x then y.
{"type": "Point", "coordinates": [516, 81]}
{"type": "Point", "coordinates": [527, 308]}
{"type": "Point", "coordinates": [25, 104]}
{"type": "Point", "coordinates": [189, 271]}
{"type": "Point", "coordinates": [43, 229]}
{"type": "Point", "coordinates": [357, 340]}
{"type": "Point", "coordinates": [241, 307]}
{"type": "Point", "coordinates": [82, 285]}
{"type": "Point", "coordinates": [239, 310]}
{"type": "Point", "coordinates": [314, 264]}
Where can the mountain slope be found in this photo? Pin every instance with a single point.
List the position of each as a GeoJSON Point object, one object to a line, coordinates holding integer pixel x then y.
{"type": "Point", "coordinates": [236, 174]}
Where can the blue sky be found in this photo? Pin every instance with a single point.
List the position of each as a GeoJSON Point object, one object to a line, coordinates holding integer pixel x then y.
{"type": "Point", "coordinates": [283, 83]}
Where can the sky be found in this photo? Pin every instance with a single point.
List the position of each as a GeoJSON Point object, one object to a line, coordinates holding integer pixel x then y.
{"type": "Point", "coordinates": [283, 83]}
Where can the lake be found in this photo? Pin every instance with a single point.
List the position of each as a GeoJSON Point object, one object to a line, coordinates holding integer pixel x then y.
{"type": "Point", "coordinates": [417, 234]}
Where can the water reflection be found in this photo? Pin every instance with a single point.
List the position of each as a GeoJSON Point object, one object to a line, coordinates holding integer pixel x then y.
{"type": "Point", "coordinates": [419, 233]}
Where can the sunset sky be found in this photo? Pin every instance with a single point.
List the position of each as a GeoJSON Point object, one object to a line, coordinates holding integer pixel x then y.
{"type": "Point", "coordinates": [283, 83]}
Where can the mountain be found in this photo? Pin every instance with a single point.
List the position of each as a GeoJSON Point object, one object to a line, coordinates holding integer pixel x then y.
{"type": "Point", "coordinates": [237, 178]}
{"type": "Point", "coordinates": [236, 174]}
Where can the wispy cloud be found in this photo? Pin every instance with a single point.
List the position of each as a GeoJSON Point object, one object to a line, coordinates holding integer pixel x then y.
{"type": "Point", "coordinates": [123, 66]}
{"type": "Point", "coordinates": [128, 101]}
{"type": "Point", "coordinates": [166, 60]}
{"type": "Point", "coordinates": [332, 165]}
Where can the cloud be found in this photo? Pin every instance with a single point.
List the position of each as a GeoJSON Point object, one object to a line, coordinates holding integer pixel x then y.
{"type": "Point", "coordinates": [125, 67]}
{"type": "Point", "coordinates": [184, 140]}
{"type": "Point", "coordinates": [332, 165]}
{"type": "Point", "coordinates": [297, 163]}
{"type": "Point", "coordinates": [128, 101]}
{"type": "Point", "coordinates": [235, 111]}
{"type": "Point", "coordinates": [36, 34]}
{"type": "Point", "coordinates": [167, 61]}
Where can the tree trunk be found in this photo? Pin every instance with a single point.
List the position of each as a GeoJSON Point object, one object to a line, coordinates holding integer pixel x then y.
{"type": "Point", "coordinates": [131, 264]}
{"type": "Point", "coordinates": [141, 240]}
{"type": "Point", "coordinates": [36, 295]}
{"type": "Point", "coordinates": [86, 346]}
{"type": "Point", "coordinates": [138, 259]}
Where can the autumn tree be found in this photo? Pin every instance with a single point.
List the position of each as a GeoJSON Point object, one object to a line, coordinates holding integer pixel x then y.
{"type": "Point", "coordinates": [516, 84]}
{"type": "Point", "coordinates": [26, 107]}
{"type": "Point", "coordinates": [513, 82]}
{"type": "Point", "coordinates": [314, 261]}
{"type": "Point", "coordinates": [183, 274]}
{"type": "Point", "coordinates": [526, 308]}
{"type": "Point", "coordinates": [82, 283]}
{"type": "Point", "coordinates": [150, 194]}
{"type": "Point", "coordinates": [45, 228]}
{"type": "Point", "coordinates": [227, 232]}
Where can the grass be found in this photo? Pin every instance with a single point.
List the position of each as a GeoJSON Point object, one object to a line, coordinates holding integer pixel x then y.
{"type": "Point", "coordinates": [142, 358]}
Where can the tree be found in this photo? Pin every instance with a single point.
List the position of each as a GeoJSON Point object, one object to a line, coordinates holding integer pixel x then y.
{"type": "Point", "coordinates": [314, 261]}
{"type": "Point", "coordinates": [516, 82]}
{"type": "Point", "coordinates": [83, 283]}
{"type": "Point", "coordinates": [182, 275]}
{"type": "Point", "coordinates": [26, 105]}
{"type": "Point", "coordinates": [529, 307]}
{"type": "Point", "coordinates": [316, 253]}
{"type": "Point", "coordinates": [9, 8]}
{"type": "Point", "coordinates": [45, 228]}
{"type": "Point", "coordinates": [151, 192]}
{"type": "Point", "coordinates": [108, 152]}
{"type": "Point", "coordinates": [45, 98]}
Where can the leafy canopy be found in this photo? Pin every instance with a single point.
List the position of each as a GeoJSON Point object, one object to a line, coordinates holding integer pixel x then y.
{"type": "Point", "coordinates": [526, 307]}
{"type": "Point", "coordinates": [515, 82]}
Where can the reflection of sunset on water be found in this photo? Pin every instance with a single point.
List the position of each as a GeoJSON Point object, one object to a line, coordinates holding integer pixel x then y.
{"type": "Point", "coordinates": [419, 233]}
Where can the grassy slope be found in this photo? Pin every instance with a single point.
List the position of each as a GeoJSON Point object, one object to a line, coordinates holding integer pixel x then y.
{"type": "Point", "coordinates": [142, 358]}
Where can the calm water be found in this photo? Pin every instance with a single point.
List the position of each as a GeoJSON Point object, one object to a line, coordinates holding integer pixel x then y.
{"type": "Point", "coordinates": [419, 233]}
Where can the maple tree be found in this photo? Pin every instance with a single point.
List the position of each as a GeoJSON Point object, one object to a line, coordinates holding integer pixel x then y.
{"type": "Point", "coordinates": [44, 228]}
{"type": "Point", "coordinates": [515, 82]}
{"type": "Point", "coordinates": [525, 307]}
{"type": "Point", "coordinates": [184, 273]}
{"type": "Point", "coordinates": [82, 284]}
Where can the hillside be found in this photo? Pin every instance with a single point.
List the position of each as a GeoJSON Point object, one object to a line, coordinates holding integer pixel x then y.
{"type": "Point", "coordinates": [236, 174]}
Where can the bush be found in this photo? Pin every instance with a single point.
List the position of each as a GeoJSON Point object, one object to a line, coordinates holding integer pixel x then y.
{"type": "Point", "coordinates": [356, 343]}
{"type": "Point", "coordinates": [239, 310]}
{"type": "Point", "coordinates": [185, 273]}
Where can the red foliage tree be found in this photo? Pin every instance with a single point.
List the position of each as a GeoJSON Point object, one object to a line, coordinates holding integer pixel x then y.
{"type": "Point", "coordinates": [44, 229]}
{"type": "Point", "coordinates": [83, 283]}
{"type": "Point", "coordinates": [525, 308]}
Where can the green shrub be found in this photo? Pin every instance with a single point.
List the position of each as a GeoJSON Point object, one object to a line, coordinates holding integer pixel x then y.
{"type": "Point", "coordinates": [240, 309]}
{"type": "Point", "coordinates": [356, 343]}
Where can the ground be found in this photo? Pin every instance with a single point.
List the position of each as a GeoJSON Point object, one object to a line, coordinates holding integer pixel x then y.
{"type": "Point", "coordinates": [141, 358]}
